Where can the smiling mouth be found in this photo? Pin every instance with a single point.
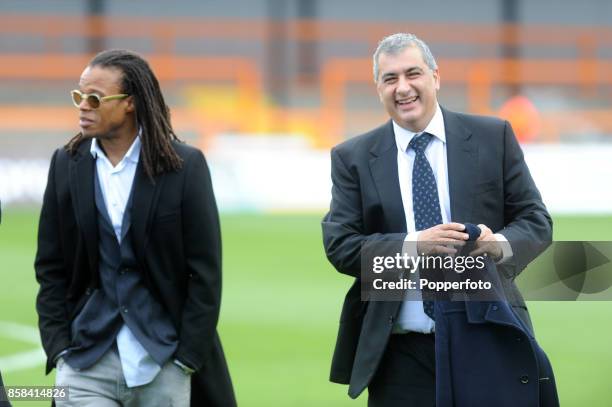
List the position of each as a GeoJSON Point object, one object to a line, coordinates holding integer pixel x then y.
{"type": "Point", "coordinates": [408, 101]}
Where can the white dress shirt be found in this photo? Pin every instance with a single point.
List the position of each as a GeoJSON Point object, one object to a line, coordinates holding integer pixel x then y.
{"type": "Point", "coordinates": [411, 315]}
{"type": "Point", "coordinates": [116, 182]}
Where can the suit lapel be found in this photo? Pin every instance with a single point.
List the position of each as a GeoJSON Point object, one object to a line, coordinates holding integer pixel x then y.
{"type": "Point", "coordinates": [383, 166]}
{"type": "Point", "coordinates": [145, 194]}
{"type": "Point", "coordinates": [462, 161]}
{"type": "Point", "coordinates": [81, 175]}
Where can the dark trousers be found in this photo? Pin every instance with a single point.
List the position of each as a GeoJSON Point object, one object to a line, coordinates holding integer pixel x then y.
{"type": "Point", "coordinates": [406, 374]}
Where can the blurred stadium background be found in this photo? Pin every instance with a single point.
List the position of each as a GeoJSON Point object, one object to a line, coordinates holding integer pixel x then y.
{"type": "Point", "coordinates": [265, 88]}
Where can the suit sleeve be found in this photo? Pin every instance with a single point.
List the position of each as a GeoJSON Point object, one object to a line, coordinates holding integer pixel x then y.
{"type": "Point", "coordinates": [344, 232]}
{"type": "Point", "coordinates": [528, 224]}
{"type": "Point", "coordinates": [202, 243]}
{"type": "Point", "coordinates": [50, 269]}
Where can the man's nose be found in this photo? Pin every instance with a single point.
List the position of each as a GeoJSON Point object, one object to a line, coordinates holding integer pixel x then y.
{"type": "Point", "coordinates": [84, 105]}
{"type": "Point", "coordinates": [403, 85]}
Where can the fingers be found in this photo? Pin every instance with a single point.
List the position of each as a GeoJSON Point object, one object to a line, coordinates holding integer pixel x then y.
{"type": "Point", "coordinates": [479, 251]}
{"type": "Point", "coordinates": [447, 238]}
{"type": "Point", "coordinates": [460, 227]}
{"type": "Point", "coordinates": [456, 235]}
{"type": "Point", "coordinates": [441, 246]}
{"type": "Point", "coordinates": [490, 248]}
{"type": "Point", "coordinates": [450, 240]}
{"type": "Point", "coordinates": [485, 232]}
{"type": "Point", "coordinates": [447, 231]}
{"type": "Point", "coordinates": [438, 249]}
{"type": "Point", "coordinates": [481, 248]}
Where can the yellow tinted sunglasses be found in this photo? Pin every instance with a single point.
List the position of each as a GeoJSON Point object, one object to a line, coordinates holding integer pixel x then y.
{"type": "Point", "coordinates": [93, 99]}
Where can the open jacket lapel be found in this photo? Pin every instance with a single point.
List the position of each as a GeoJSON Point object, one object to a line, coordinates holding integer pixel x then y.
{"type": "Point", "coordinates": [81, 176]}
{"type": "Point", "coordinates": [462, 160]}
{"type": "Point", "coordinates": [145, 195]}
{"type": "Point", "coordinates": [383, 166]}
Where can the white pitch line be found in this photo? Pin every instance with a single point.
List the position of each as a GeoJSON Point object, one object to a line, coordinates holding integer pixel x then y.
{"type": "Point", "coordinates": [26, 359]}
{"type": "Point", "coordinates": [22, 360]}
{"type": "Point", "coordinates": [20, 332]}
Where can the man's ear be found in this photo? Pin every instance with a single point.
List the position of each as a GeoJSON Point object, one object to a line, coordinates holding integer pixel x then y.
{"type": "Point", "coordinates": [379, 92]}
{"type": "Point", "coordinates": [130, 108]}
{"type": "Point", "coordinates": [436, 74]}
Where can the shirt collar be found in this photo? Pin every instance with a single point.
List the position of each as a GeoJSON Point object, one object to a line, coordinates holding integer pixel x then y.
{"type": "Point", "coordinates": [435, 127]}
{"type": "Point", "coordinates": [133, 153]}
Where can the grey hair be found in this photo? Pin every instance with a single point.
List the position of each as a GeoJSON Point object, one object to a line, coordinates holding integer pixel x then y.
{"type": "Point", "coordinates": [395, 43]}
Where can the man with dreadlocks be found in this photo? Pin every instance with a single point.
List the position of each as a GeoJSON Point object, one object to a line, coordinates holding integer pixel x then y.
{"type": "Point", "coordinates": [129, 252]}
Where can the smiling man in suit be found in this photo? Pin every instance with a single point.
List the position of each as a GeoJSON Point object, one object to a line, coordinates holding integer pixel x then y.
{"type": "Point", "coordinates": [418, 178]}
{"type": "Point", "coordinates": [129, 252]}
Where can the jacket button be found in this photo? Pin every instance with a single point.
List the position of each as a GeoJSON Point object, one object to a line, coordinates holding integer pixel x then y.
{"type": "Point", "coordinates": [524, 379]}
{"type": "Point", "coordinates": [391, 320]}
{"type": "Point", "coordinates": [88, 291]}
{"type": "Point", "coordinates": [519, 339]}
{"type": "Point", "coordinates": [494, 308]}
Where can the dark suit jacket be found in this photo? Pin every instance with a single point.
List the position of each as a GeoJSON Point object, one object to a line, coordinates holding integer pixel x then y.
{"type": "Point", "coordinates": [3, 397]}
{"type": "Point", "coordinates": [489, 183]}
{"type": "Point", "coordinates": [176, 238]}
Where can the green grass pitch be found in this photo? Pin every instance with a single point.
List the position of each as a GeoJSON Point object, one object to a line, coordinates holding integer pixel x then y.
{"type": "Point", "coordinates": [281, 304]}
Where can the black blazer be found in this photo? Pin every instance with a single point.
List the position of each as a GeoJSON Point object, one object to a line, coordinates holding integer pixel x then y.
{"type": "Point", "coordinates": [489, 183]}
{"type": "Point", "coordinates": [177, 242]}
{"type": "Point", "coordinates": [4, 402]}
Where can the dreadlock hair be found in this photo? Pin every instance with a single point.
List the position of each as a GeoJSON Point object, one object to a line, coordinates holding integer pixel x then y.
{"type": "Point", "coordinates": [152, 113]}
